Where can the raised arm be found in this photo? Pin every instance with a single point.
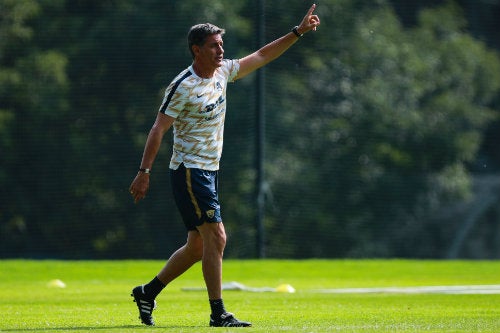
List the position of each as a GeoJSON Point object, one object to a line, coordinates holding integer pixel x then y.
{"type": "Point", "coordinates": [276, 48]}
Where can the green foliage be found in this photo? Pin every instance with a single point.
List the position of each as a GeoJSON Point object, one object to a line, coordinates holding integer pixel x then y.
{"type": "Point", "coordinates": [371, 126]}
{"type": "Point", "coordinates": [398, 109]}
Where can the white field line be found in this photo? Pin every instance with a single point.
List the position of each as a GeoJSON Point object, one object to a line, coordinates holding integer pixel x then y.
{"type": "Point", "coordinates": [474, 289]}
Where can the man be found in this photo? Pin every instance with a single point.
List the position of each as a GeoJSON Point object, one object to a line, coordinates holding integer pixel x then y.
{"type": "Point", "coordinates": [195, 105]}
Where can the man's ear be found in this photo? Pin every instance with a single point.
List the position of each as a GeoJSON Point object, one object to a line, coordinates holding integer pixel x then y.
{"type": "Point", "coordinates": [196, 49]}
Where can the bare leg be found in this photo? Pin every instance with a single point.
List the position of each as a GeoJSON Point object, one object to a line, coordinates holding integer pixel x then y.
{"type": "Point", "coordinates": [182, 259]}
{"type": "Point", "coordinates": [214, 242]}
{"type": "Point", "coordinates": [178, 263]}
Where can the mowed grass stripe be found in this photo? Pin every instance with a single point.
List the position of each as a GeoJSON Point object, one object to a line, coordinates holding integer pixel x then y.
{"type": "Point", "coordinates": [96, 296]}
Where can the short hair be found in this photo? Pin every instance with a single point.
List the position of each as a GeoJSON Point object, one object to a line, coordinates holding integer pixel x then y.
{"type": "Point", "coordinates": [198, 34]}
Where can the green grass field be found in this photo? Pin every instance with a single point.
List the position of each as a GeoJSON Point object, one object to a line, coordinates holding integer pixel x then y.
{"type": "Point", "coordinates": [96, 297]}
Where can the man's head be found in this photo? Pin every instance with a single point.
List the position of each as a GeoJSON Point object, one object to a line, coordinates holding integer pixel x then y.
{"type": "Point", "coordinates": [198, 34]}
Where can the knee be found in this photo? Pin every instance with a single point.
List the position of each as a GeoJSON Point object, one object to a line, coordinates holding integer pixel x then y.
{"type": "Point", "coordinates": [217, 238]}
{"type": "Point", "coordinates": [195, 248]}
{"type": "Point", "coordinates": [221, 240]}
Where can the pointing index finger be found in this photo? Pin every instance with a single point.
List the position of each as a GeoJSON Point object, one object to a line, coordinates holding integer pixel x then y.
{"type": "Point", "coordinates": [311, 10]}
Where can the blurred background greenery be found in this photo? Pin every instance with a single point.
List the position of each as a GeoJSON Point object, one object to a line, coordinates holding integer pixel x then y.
{"type": "Point", "coordinates": [382, 128]}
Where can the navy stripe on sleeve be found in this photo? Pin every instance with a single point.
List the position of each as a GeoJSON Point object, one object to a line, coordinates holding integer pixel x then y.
{"type": "Point", "coordinates": [164, 106]}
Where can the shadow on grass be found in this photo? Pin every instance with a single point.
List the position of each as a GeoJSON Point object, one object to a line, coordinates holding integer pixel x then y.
{"type": "Point", "coordinates": [93, 328]}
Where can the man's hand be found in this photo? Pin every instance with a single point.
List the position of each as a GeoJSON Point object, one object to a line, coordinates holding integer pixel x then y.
{"type": "Point", "coordinates": [309, 22]}
{"type": "Point", "coordinates": [139, 186]}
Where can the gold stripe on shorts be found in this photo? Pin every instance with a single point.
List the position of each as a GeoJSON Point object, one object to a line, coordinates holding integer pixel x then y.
{"type": "Point", "coordinates": [191, 195]}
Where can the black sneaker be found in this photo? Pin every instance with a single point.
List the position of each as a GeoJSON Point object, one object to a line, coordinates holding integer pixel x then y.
{"type": "Point", "coordinates": [145, 305]}
{"type": "Point", "coordinates": [227, 320]}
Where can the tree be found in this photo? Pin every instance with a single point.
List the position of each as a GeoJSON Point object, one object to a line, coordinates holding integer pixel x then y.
{"type": "Point", "coordinates": [382, 129]}
{"type": "Point", "coordinates": [33, 85]}
{"type": "Point", "coordinates": [371, 126]}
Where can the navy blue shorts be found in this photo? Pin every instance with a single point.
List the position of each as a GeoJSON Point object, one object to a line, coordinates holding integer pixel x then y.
{"type": "Point", "coordinates": [195, 193]}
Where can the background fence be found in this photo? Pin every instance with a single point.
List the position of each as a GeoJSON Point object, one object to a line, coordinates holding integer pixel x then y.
{"type": "Point", "coordinates": [381, 129]}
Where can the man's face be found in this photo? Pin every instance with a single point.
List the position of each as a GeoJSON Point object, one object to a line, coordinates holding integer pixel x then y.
{"type": "Point", "coordinates": [211, 53]}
